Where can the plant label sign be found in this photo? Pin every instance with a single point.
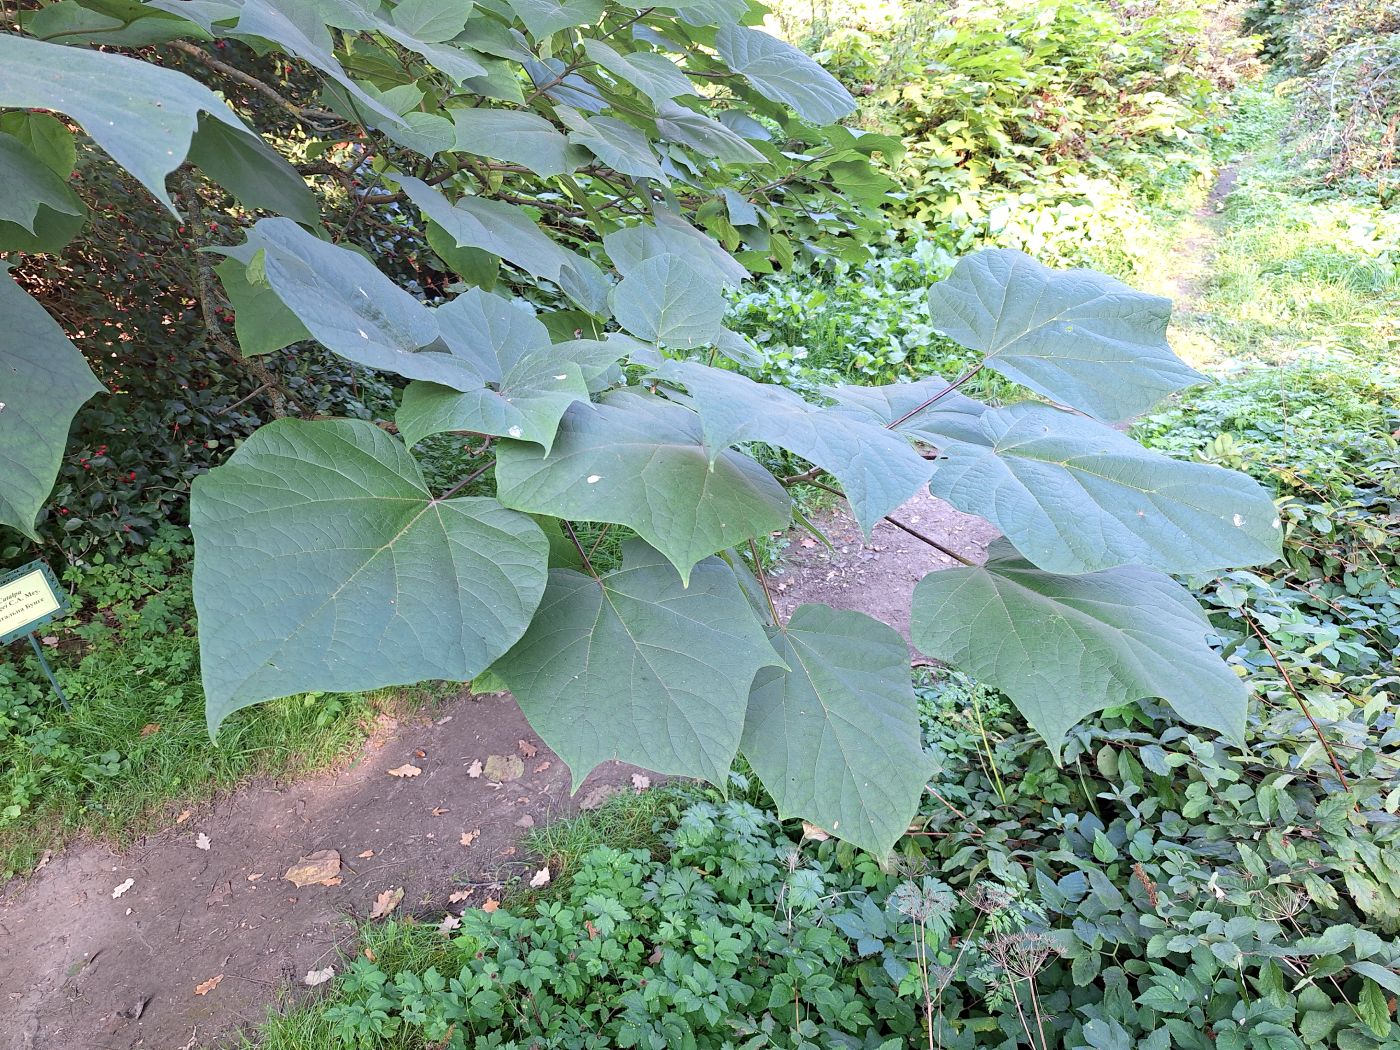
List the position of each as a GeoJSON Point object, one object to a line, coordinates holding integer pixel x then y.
{"type": "Point", "coordinates": [29, 598]}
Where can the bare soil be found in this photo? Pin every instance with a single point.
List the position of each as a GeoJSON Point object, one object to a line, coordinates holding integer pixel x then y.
{"type": "Point", "coordinates": [81, 968]}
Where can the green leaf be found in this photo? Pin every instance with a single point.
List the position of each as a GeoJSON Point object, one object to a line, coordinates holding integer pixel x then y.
{"type": "Point", "coordinates": [835, 737]}
{"type": "Point", "coordinates": [901, 407]}
{"type": "Point", "coordinates": [665, 300]}
{"type": "Point", "coordinates": [527, 406]}
{"type": "Point", "coordinates": [113, 23]}
{"type": "Point", "coordinates": [491, 332]}
{"type": "Point", "coordinates": [616, 143]}
{"type": "Point", "coordinates": [630, 248]}
{"type": "Point", "coordinates": [1382, 975]}
{"type": "Point", "coordinates": [322, 562]}
{"type": "Point", "coordinates": [1063, 647]}
{"type": "Point", "coordinates": [38, 212]}
{"type": "Point", "coordinates": [637, 460]}
{"type": "Point", "coordinates": [1074, 495]}
{"type": "Point", "coordinates": [46, 136]}
{"type": "Point", "coordinates": [252, 171]}
{"type": "Point", "coordinates": [1374, 1009]}
{"type": "Point", "coordinates": [352, 308]}
{"type": "Point", "coordinates": [640, 666]}
{"type": "Point", "coordinates": [507, 231]}
{"type": "Point", "coordinates": [433, 21]}
{"type": "Point", "coordinates": [680, 124]}
{"type": "Point", "coordinates": [1075, 336]}
{"type": "Point", "coordinates": [143, 115]}
{"type": "Point", "coordinates": [878, 470]}
{"type": "Point", "coordinates": [43, 382]}
{"type": "Point", "coordinates": [543, 17]}
{"type": "Point", "coordinates": [655, 76]}
{"type": "Point", "coordinates": [783, 73]}
{"type": "Point", "coordinates": [262, 322]}
{"type": "Point", "coordinates": [517, 137]}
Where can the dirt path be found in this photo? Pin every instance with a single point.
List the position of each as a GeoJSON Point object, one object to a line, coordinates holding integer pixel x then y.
{"type": "Point", "coordinates": [80, 968]}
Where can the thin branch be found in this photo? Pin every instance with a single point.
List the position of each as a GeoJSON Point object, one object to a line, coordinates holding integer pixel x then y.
{"type": "Point", "coordinates": [579, 547]}
{"type": "Point", "coordinates": [310, 116]}
{"type": "Point", "coordinates": [466, 481]}
{"type": "Point", "coordinates": [931, 542]}
{"type": "Point", "coordinates": [763, 582]}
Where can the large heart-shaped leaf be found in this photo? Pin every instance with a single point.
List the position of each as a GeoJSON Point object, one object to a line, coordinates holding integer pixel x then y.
{"type": "Point", "coordinates": [616, 143]}
{"type": "Point", "coordinates": [637, 460]}
{"type": "Point", "coordinates": [1075, 336]}
{"type": "Point", "coordinates": [352, 308]}
{"type": "Point", "coordinates": [1074, 495]}
{"type": "Point", "coordinates": [490, 331]}
{"type": "Point", "coordinates": [683, 125]}
{"type": "Point", "coordinates": [142, 114]}
{"type": "Point", "coordinates": [1063, 647]}
{"type": "Point", "coordinates": [835, 738]}
{"type": "Point", "coordinates": [877, 468]}
{"type": "Point", "coordinates": [543, 17]}
{"type": "Point", "coordinates": [261, 320]}
{"type": "Point", "coordinates": [517, 137]}
{"type": "Point", "coordinates": [783, 73]}
{"type": "Point", "coordinates": [631, 247]}
{"type": "Point", "coordinates": [666, 300]}
{"type": "Point", "coordinates": [252, 171]}
{"type": "Point", "coordinates": [640, 666]}
{"type": "Point", "coordinates": [322, 561]}
{"type": "Point", "coordinates": [43, 382]}
{"type": "Point", "coordinates": [655, 76]}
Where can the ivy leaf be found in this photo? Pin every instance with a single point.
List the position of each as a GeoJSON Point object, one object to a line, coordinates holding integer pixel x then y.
{"type": "Point", "coordinates": [835, 738]}
{"type": "Point", "coordinates": [784, 74]}
{"type": "Point", "coordinates": [142, 114]}
{"type": "Point", "coordinates": [352, 308]}
{"type": "Point", "coordinates": [1063, 647]}
{"type": "Point", "coordinates": [1075, 336]}
{"type": "Point", "coordinates": [505, 230]}
{"type": "Point", "coordinates": [1074, 495]}
{"type": "Point", "coordinates": [43, 382]}
{"type": "Point", "coordinates": [640, 666]}
{"type": "Point", "coordinates": [878, 470]}
{"type": "Point", "coordinates": [532, 397]}
{"type": "Point", "coordinates": [516, 137]}
{"type": "Point", "coordinates": [655, 76]}
{"type": "Point", "coordinates": [637, 460]}
{"type": "Point", "coordinates": [614, 142]}
{"type": "Point", "coordinates": [665, 300]}
{"type": "Point", "coordinates": [322, 562]}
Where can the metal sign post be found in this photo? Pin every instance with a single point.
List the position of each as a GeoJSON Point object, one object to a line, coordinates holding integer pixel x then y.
{"type": "Point", "coordinates": [29, 598]}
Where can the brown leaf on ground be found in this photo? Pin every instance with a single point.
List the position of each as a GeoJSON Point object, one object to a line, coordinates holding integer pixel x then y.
{"type": "Point", "coordinates": [386, 902]}
{"type": "Point", "coordinates": [315, 977]}
{"type": "Point", "coordinates": [474, 770]}
{"type": "Point", "coordinates": [458, 896]}
{"type": "Point", "coordinates": [184, 816]}
{"type": "Point", "coordinates": [208, 986]}
{"type": "Point", "coordinates": [449, 923]}
{"type": "Point", "coordinates": [655, 956]}
{"type": "Point", "coordinates": [365, 855]}
{"type": "Point", "coordinates": [420, 752]}
{"type": "Point", "coordinates": [540, 878]}
{"type": "Point", "coordinates": [254, 876]}
{"type": "Point", "coordinates": [405, 770]}
{"type": "Point", "coordinates": [491, 905]}
{"type": "Point", "coordinates": [468, 837]}
{"type": "Point", "coordinates": [149, 728]}
{"type": "Point", "coordinates": [640, 782]}
{"type": "Point", "coordinates": [315, 869]}
{"type": "Point", "coordinates": [123, 888]}
{"type": "Point", "coordinates": [369, 954]}
{"type": "Point", "coordinates": [811, 831]}
{"type": "Point", "coordinates": [201, 841]}
{"type": "Point", "coordinates": [439, 810]}
{"type": "Point", "coordinates": [592, 930]}
{"type": "Point", "coordinates": [527, 748]}
{"type": "Point", "coordinates": [543, 766]}
{"type": "Point", "coordinates": [503, 768]}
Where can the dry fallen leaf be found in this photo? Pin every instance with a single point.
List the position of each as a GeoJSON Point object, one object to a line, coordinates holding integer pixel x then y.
{"type": "Point", "coordinates": [254, 876]}
{"type": "Point", "coordinates": [449, 923]}
{"type": "Point", "coordinates": [43, 862]}
{"type": "Point", "coordinates": [474, 770]}
{"type": "Point", "coordinates": [543, 766]}
{"type": "Point", "coordinates": [468, 837]}
{"type": "Point", "coordinates": [315, 869]}
{"type": "Point", "coordinates": [527, 748]}
{"type": "Point", "coordinates": [491, 905]}
{"type": "Point", "coordinates": [123, 888]}
{"type": "Point", "coordinates": [420, 753]}
{"type": "Point", "coordinates": [184, 816]}
{"type": "Point", "coordinates": [503, 768]}
{"type": "Point", "coordinates": [809, 544]}
{"type": "Point", "coordinates": [386, 902]}
{"type": "Point", "coordinates": [592, 930]}
{"type": "Point", "coordinates": [149, 728]}
{"type": "Point", "coordinates": [459, 896]}
{"type": "Point", "coordinates": [315, 977]}
{"type": "Point", "coordinates": [405, 770]}
{"type": "Point", "coordinates": [640, 782]}
{"type": "Point", "coordinates": [369, 954]}
{"type": "Point", "coordinates": [439, 810]}
{"type": "Point", "coordinates": [811, 831]}
{"type": "Point", "coordinates": [365, 855]}
{"type": "Point", "coordinates": [201, 841]}
{"type": "Point", "coordinates": [208, 986]}
{"type": "Point", "coordinates": [540, 878]}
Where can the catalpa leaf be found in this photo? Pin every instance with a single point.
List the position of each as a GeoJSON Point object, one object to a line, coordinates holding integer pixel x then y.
{"type": "Point", "coordinates": [517, 137]}
{"type": "Point", "coordinates": [682, 125]}
{"type": "Point", "coordinates": [638, 460]}
{"type": "Point", "coordinates": [631, 247]}
{"type": "Point", "coordinates": [142, 114]}
{"type": "Point", "coordinates": [878, 470]}
{"type": "Point", "coordinates": [616, 143]}
{"type": "Point", "coordinates": [527, 404]}
{"type": "Point", "coordinates": [666, 300]}
{"type": "Point", "coordinates": [1063, 647]}
{"type": "Point", "coordinates": [322, 562]}
{"type": "Point", "coordinates": [352, 308]}
{"type": "Point", "coordinates": [252, 171]}
{"type": "Point", "coordinates": [261, 320]}
{"type": "Point", "coordinates": [784, 74]}
{"type": "Point", "coordinates": [30, 185]}
{"type": "Point", "coordinates": [1076, 336]}
{"type": "Point", "coordinates": [490, 331]}
{"type": "Point", "coordinates": [43, 382]}
{"type": "Point", "coordinates": [640, 666]}
{"type": "Point", "coordinates": [1074, 495]}
{"type": "Point", "coordinates": [906, 407]}
{"type": "Point", "coordinates": [835, 738]}
{"type": "Point", "coordinates": [543, 17]}
{"type": "Point", "coordinates": [655, 76]}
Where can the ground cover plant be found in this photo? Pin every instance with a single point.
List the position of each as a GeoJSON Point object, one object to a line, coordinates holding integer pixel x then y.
{"type": "Point", "coordinates": [585, 364]}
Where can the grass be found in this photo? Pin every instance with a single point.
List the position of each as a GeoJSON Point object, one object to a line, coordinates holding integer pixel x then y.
{"type": "Point", "coordinates": [135, 748]}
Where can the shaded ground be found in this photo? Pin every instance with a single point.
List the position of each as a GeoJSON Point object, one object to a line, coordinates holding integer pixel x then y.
{"type": "Point", "coordinates": [80, 968]}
